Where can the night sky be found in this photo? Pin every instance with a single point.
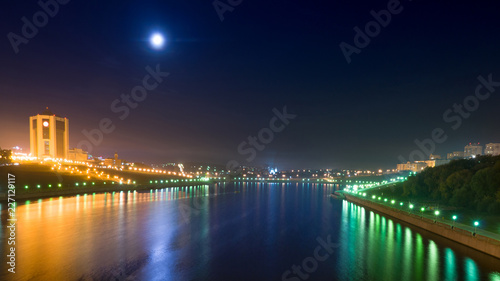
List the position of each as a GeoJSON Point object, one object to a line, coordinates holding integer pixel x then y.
{"type": "Point", "coordinates": [227, 76]}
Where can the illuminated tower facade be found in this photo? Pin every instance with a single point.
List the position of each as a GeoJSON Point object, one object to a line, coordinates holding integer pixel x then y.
{"type": "Point", "coordinates": [49, 135]}
{"type": "Point", "coordinates": [492, 149]}
{"type": "Point", "coordinates": [472, 150]}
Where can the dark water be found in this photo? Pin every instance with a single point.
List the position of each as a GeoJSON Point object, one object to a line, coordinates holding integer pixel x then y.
{"type": "Point", "coordinates": [247, 231]}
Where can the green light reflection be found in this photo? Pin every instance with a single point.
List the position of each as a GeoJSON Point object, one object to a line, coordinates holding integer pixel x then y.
{"type": "Point", "coordinates": [451, 265]}
{"type": "Point", "coordinates": [419, 257]}
{"type": "Point", "coordinates": [433, 261]}
{"type": "Point", "coordinates": [494, 276]}
{"type": "Point", "coordinates": [471, 270]}
{"type": "Point", "coordinates": [408, 255]}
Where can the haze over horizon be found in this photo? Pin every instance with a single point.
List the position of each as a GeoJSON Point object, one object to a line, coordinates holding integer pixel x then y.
{"type": "Point", "coordinates": [226, 77]}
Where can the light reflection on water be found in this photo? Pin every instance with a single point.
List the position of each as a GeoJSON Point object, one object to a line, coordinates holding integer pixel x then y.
{"type": "Point", "coordinates": [245, 231]}
{"type": "Point", "coordinates": [383, 249]}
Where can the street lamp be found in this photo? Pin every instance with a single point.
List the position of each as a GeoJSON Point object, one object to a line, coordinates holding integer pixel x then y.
{"type": "Point", "coordinates": [476, 224]}
{"type": "Point", "coordinates": [437, 214]}
{"type": "Point", "coordinates": [454, 219]}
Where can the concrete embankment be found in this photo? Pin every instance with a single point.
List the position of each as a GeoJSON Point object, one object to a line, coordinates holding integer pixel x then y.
{"type": "Point", "coordinates": [91, 189]}
{"type": "Point", "coordinates": [478, 242]}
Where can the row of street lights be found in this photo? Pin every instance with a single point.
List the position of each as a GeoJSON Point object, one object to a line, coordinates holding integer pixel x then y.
{"type": "Point", "coordinates": [422, 209]}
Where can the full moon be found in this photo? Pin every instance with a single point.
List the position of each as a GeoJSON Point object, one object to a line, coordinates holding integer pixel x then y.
{"type": "Point", "coordinates": [157, 40]}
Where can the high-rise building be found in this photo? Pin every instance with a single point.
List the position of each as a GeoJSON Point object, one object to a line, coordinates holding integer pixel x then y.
{"type": "Point", "coordinates": [492, 149]}
{"type": "Point", "coordinates": [49, 135]}
{"type": "Point", "coordinates": [473, 149]}
{"type": "Point", "coordinates": [455, 155]}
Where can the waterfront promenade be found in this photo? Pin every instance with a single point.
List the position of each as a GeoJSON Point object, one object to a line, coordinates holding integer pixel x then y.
{"type": "Point", "coordinates": [481, 240]}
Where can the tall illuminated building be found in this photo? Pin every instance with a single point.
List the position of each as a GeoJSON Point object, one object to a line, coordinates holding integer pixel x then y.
{"type": "Point", "coordinates": [492, 149]}
{"type": "Point", "coordinates": [49, 135]}
{"type": "Point", "coordinates": [473, 149]}
{"type": "Point", "coordinates": [456, 155]}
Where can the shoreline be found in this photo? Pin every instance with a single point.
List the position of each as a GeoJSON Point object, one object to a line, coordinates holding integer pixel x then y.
{"type": "Point", "coordinates": [93, 189]}
{"type": "Point", "coordinates": [40, 194]}
{"type": "Point", "coordinates": [477, 242]}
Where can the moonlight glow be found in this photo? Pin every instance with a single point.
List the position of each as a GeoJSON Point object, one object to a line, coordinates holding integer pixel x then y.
{"type": "Point", "coordinates": [157, 41]}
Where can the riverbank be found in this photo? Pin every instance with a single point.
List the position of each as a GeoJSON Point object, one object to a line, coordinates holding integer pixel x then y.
{"type": "Point", "coordinates": [476, 241]}
{"type": "Point", "coordinates": [34, 181]}
{"type": "Point", "coordinates": [92, 187]}
{"type": "Point", "coordinates": [38, 194]}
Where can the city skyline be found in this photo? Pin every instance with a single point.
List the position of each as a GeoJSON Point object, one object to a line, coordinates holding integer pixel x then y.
{"type": "Point", "coordinates": [44, 143]}
{"type": "Point", "coordinates": [250, 140]}
{"type": "Point", "coordinates": [211, 89]}
{"type": "Point", "coordinates": [109, 154]}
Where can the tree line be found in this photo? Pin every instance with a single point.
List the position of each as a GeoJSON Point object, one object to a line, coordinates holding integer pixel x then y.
{"type": "Point", "coordinates": [472, 184]}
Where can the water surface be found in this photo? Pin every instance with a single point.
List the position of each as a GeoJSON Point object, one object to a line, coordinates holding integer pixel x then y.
{"type": "Point", "coordinates": [242, 231]}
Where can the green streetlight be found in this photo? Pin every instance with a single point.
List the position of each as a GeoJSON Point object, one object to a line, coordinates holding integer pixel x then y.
{"type": "Point", "coordinates": [437, 214]}
{"type": "Point", "coordinates": [476, 224]}
{"type": "Point", "coordinates": [393, 201]}
{"type": "Point", "coordinates": [454, 217]}
{"type": "Point", "coordinates": [411, 206]}
{"type": "Point", "coordinates": [373, 197]}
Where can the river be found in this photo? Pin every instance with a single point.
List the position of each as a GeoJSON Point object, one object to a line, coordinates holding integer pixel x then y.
{"type": "Point", "coordinates": [234, 231]}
